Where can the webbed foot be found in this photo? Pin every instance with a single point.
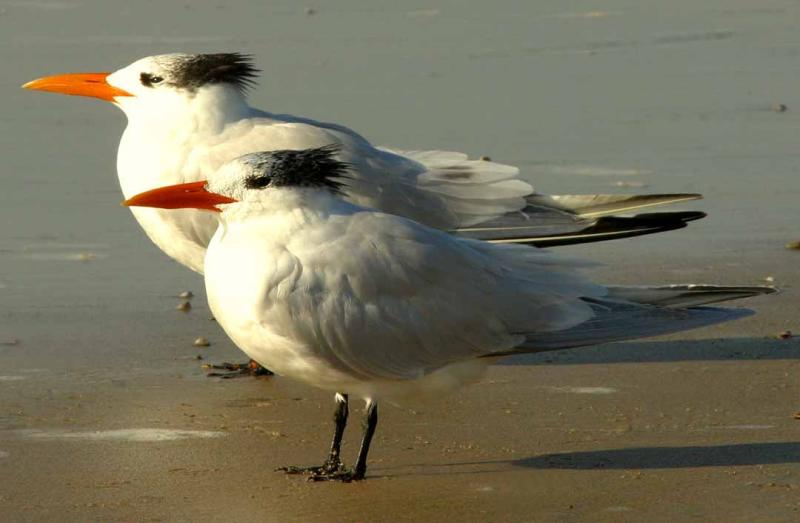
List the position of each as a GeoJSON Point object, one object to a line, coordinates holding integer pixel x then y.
{"type": "Point", "coordinates": [345, 476]}
{"type": "Point", "coordinates": [327, 472]}
{"type": "Point", "coordinates": [329, 467]}
{"type": "Point", "coordinates": [236, 370]}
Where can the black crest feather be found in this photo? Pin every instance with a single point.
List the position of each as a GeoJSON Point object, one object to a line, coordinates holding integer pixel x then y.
{"type": "Point", "coordinates": [195, 71]}
{"type": "Point", "coordinates": [304, 168]}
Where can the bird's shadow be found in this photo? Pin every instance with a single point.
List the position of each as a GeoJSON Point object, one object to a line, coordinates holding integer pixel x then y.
{"type": "Point", "coordinates": [668, 351]}
{"type": "Point", "coordinates": [732, 455]}
{"type": "Point", "coordinates": [634, 458]}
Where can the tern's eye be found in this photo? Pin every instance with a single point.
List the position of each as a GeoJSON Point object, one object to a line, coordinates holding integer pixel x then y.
{"type": "Point", "coordinates": [256, 182]}
{"type": "Point", "coordinates": [149, 80]}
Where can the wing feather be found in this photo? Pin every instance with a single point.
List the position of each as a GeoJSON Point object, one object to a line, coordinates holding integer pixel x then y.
{"type": "Point", "coordinates": [394, 300]}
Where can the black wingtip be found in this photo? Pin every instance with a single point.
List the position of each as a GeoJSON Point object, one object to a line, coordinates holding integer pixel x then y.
{"type": "Point", "coordinates": [617, 228]}
{"type": "Point", "coordinates": [660, 217]}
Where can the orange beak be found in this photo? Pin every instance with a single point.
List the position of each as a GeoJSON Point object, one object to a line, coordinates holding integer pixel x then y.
{"type": "Point", "coordinates": [80, 84]}
{"type": "Point", "coordinates": [191, 195]}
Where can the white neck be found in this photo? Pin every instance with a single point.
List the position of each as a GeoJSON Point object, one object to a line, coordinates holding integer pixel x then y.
{"type": "Point", "coordinates": [284, 211]}
{"type": "Point", "coordinates": [168, 134]}
{"type": "Point", "coordinates": [178, 117]}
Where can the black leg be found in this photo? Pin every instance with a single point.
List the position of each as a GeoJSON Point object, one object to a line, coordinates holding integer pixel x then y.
{"type": "Point", "coordinates": [340, 422]}
{"type": "Point", "coordinates": [333, 464]}
{"type": "Point", "coordinates": [370, 423]}
{"type": "Point", "coordinates": [332, 469]}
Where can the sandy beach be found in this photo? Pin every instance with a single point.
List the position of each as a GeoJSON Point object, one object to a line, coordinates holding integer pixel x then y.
{"type": "Point", "coordinates": [106, 413]}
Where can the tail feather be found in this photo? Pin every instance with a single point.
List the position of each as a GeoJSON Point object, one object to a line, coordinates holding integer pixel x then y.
{"type": "Point", "coordinates": [472, 190]}
{"type": "Point", "coordinates": [488, 201]}
{"type": "Point", "coordinates": [597, 205]}
{"type": "Point", "coordinates": [616, 321]}
{"type": "Point", "coordinates": [686, 295]}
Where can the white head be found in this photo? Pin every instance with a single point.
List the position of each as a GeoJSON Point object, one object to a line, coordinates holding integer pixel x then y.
{"type": "Point", "coordinates": [164, 84]}
{"type": "Point", "coordinates": [252, 180]}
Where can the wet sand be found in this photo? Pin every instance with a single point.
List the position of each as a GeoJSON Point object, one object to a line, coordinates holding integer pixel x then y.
{"type": "Point", "coordinates": [105, 413]}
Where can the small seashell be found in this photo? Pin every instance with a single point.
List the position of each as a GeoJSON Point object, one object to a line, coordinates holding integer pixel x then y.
{"type": "Point", "coordinates": [186, 295]}
{"type": "Point", "coordinates": [795, 245]}
{"type": "Point", "coordinates": [779, 108]}
{"type": "Point", "coordinates": [201, 342]}
{"type": "Point", "coordinates": [635, 184]}
{"type": "Point", "coordinates": [184, 306]}
{"type": "Point", "coordinates": [785, 335]}
{"type": "Point", "coordinates": [796, 415]}
{"type": "Point", "coordinates": [769, 279]}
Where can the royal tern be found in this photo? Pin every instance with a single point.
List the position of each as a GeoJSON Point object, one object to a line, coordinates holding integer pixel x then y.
{"type": "Point", "coordinates": [361, 302]}
{"type": "Point", "coordinates": [188, 115]}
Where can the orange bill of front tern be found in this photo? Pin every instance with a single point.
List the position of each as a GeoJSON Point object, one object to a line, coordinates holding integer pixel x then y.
{"type": "Point", "coordinates": [192, 195]}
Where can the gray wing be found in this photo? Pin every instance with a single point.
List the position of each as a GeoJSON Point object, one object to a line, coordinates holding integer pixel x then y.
{"type": "Point", "coordinates": [401, 299]}
{"type": "Point", "coordinates": [474, 190]}
{"type": "Point", "coordinates": [619, 321]}
{"type": "Point", "coordinates": [477, 199]}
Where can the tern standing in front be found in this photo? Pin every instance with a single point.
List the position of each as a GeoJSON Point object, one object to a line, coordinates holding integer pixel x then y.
{"type": "Point", "coordinates": [365, 303]}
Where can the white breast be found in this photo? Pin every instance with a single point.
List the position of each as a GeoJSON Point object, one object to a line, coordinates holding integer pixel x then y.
{"type": "Point", "coordinates": [350, 300]}
{"type": "Point", "coordinates": [244, 271]}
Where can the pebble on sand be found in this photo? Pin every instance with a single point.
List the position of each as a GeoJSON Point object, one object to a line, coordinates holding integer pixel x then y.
{"type": "Point", "coordinates": [780, 108]}
{"type": "Point", "coordinates": [795, 245]}
{"type": "Point", "coordinates": [485, 158]}
{"type": "Point", "coordinates": [184, 306]}
{"type": "Point", "coordinates": [186, 295]}
{"type": "Point", "coordinates": [201, 342]}
{"type": "Point", "coordinates": [634, 184]}
{"type": "Point", "coordinates": [785, 335]}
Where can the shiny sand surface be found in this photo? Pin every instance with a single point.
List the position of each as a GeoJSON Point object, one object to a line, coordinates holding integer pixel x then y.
{"type": "Point", "coordinates": [105, 413]}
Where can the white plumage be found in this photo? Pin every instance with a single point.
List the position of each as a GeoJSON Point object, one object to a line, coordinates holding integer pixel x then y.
{"type": "Point", "coordinates": [347, 298]}
{"type": "Point", "coordinates": [175, 136]}
{"type": "Point", "coordinates": [187, 115]}
{"type": "Point", "coordinates": [353, 299]}
{"type": "Point", "coordinates": [358, 301]}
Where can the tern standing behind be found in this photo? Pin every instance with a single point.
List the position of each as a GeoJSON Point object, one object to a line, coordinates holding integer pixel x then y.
{"type": "Point", "coordinates": [361, 302]}
{"type": "Point", "coordinates": [188, 115]}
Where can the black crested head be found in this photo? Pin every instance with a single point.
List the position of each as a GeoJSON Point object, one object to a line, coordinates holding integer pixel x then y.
{"type": "Point", "coordinates": [304, 168]}
{"type": "Point", "coordinates": [195, 71]}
